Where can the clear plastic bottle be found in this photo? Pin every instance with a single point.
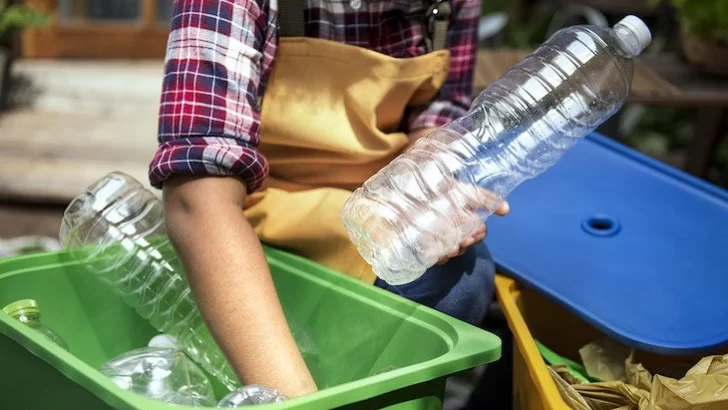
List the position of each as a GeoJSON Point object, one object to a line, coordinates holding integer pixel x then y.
{"type": "Point", "coordinates": [164, 374]}
{"type": "Point", "coordinates": [427, 200]}
{"type": "Point", "coordinates": [117, 229]}
{"type": "Point", "coordinates": [251, 395]}
{"type": "Point", "coordinates": [27, 312]}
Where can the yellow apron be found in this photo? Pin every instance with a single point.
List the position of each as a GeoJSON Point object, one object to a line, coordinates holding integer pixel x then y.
{"type": "Point", "coordinates": [329, 121]}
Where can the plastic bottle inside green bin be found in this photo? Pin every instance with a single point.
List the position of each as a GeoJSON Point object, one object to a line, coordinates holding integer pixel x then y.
{"type": "Point", "coordinates": [27, 311]}
{"type": "Point", "coordinates": [116, 228]}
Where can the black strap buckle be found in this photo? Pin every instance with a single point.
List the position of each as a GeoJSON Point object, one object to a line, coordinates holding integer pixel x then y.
{"type": "Point", "coordinates": [439, 10]}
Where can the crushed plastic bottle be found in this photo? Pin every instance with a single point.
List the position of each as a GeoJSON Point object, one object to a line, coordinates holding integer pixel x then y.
{"type": "Point", "coordinates": [162, 374]}
{"type": "Point", "coordinates": [430, 198]}
{"type": "Point", "coordinates": [27, 311]}
{"type": "Point", "coordinates": [251, 395]}
{"type": "Point", "coordinates": [116, 228]}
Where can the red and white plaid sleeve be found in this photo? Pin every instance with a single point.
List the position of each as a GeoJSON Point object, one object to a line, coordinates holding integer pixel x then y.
{"type": "Point", "coordinates": [455, 96]}
{"type": "Point", "coordinates": [219, 55]}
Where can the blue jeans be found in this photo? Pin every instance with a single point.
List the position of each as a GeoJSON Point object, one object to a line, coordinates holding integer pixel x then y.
{"type": "Point", "coordinates": [462, 288]}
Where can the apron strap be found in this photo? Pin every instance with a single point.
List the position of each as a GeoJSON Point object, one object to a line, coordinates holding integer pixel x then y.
{"type": "Point", "coordinates": [291, 21]}
{"type": "Point", "coordinates": [290, 18]}
{"type": "Point", "coordinates": [437, 19]}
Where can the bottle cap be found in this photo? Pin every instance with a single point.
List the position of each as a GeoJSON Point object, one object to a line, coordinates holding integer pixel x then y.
{"type": "Point", "coordinates": [20, 307]}
{"type": "Point", "coordinates": [637, 27]}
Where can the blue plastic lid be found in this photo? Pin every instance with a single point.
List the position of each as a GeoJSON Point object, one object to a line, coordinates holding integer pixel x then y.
{"type": "Point", "coordinates": [634, 247]}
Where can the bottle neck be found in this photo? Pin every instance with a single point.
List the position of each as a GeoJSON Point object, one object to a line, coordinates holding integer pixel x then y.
{"type": "Point", "coordinates": [634, 36]}
{"type": "Point", "coordinates": [629, 44]}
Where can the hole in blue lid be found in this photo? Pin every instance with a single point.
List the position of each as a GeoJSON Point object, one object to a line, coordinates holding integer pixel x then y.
{"type": "Point", "coordinates": [600, 225]}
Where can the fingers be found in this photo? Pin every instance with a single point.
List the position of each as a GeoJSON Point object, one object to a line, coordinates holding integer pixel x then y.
{"type": "Point", "coordinates": [484, 199]}
{"type": "Point", "coordinates": [503, 209]}
{"type": "Point", "coordinates": [480, 235]}
{"type": "Point", "coordinates": [480, 230]}
{"type": "Point", "coordinates": [454, 252]}
{"type": "Point", "coordinates": [475, 237]}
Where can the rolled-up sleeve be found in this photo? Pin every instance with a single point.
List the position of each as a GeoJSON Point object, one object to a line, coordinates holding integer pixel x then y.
{"type": "Point", "coordinates": [455, 96]}
{"type": "Point", "coordinates": [219, 55]}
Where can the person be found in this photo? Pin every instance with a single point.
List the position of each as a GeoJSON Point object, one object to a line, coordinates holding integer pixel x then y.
{"type": "Point", "coordinates": [264, 131]}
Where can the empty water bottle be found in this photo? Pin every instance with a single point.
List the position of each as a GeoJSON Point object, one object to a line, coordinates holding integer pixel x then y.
{"type": "Point", "coordinates": [117, 229]}
{"type": "Point", "coordinates": [251, 395]}
{"type": "Point", "coordinates": [27, 311]}
{"type": "Point", "coordinates": [430, 198]}
{"type": "Point", "coordinates": [164, 374]}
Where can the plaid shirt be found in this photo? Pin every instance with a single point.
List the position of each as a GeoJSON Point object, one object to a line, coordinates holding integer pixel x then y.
{"type": "Point", "coordinates": [220, 53]}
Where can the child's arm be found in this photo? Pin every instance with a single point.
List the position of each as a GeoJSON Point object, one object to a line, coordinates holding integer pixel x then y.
{"type": "Point", "coordinates": [229, 276]}
{"type": "Point", "coordinates": [218, 56]}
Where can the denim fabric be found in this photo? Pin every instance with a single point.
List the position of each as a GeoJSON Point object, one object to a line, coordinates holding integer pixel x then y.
{"type": "Point", "coordinates": [462, 288]}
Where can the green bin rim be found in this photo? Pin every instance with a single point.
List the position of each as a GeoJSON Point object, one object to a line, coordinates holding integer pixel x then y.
{"type": "Point", "coordinates": [469, 346]}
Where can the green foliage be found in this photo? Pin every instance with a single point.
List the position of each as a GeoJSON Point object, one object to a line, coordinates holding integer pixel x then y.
{"type": "Point", "coordinates": [526, 27]}
{"type": "Point", "coordinates": [667, 132]}
{"type": "Point", "coordinates": [662, 130]}
{"type": "Point", "coordinates": [721, 163]}
{"type": "Point", "coordinates": [19, 17]}
{"type": "Point", "coordinates": [707, 19]}
{"type": "Point", "coordinates": [531, 34]}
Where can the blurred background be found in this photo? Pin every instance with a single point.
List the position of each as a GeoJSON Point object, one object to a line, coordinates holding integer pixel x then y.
{"type": "Point", "coordinates": [80, 82]}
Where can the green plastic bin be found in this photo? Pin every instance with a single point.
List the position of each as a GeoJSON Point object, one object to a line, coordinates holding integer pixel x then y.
{"type": "Point", "coordinates": [361, 333]}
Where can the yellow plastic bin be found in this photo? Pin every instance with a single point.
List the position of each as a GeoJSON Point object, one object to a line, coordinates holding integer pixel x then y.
{"type": "Point", "coordinates": [533, 317]}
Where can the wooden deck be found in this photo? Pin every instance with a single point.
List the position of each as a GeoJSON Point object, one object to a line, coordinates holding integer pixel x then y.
{"type": "Point", "coordinates": [53, 157]}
